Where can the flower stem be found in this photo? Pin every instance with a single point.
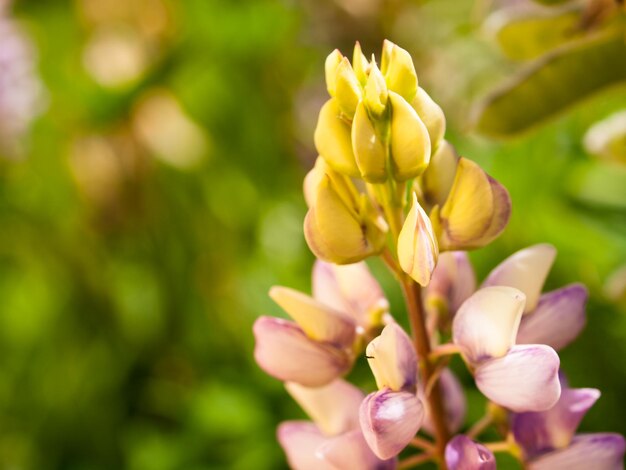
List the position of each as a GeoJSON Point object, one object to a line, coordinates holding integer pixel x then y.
{"type": "Point", "coordinates": [480, 426]}
{"type": "Point", "coordinates": [421, 342]}
{"type": "Point", "coordinates": [423, 444]}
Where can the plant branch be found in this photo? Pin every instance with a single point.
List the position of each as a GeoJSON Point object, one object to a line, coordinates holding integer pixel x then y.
{"type": "Point", "coordinates": [421, 341]}
{"type": "Point", "coordinates": [414, 460]}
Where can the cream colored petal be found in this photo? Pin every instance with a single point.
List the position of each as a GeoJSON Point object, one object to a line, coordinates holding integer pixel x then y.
{"type": "Point", "coordinates": [417, 246]}
{"type": "Point", "coordinates": [393, 360]}
{"type": "Point", "coordinates": [486, 325]}
{"type": "Point", "coordinates": [318, 321]}
{"type": "Point", "coordinates": [360, 64]}
{"type": "Point", "coordinates": [525, 270]}
{"type": "Point", "coordinates": [332, 139]}
{"type": "Point", "coordinates": [369, 150]}
{"type": "Point", "coordinates": [437, 179]}
{"type": "Point", "coordinates": [348, 91]}
{"type": "Point", "coordinates": [400, 73]}
{"type": "Point", "coordinates": [376, 94]}
{"type": "Point", "coordinates": [409, 141]}
{"type": "Point", "coordinates": [330, 69]}
{"type": "Point", "coordinates": [334, 408]}
{"type": "Point", "coordinates": [431, 115]}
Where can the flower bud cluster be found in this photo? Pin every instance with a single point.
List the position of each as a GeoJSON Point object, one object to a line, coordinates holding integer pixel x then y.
{"type": "Point", "coordinates": [387, 183]}
{"type": "Point", "coordinates": [381, 146]}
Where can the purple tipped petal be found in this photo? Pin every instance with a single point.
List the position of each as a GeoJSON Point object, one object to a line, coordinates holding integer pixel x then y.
{"type": "Point", "coordinates": [453, 401]}
{"type": "Point", "coordinates": [300, 440]}
{"type": "Point", "coordinates": [602, 451]}
{"type": "Point", "coordinates": [349, 288]}
{"type": "Point", "coordinates": [350, 451]}
{"type": "Point", "coordinates": [285, 352]}
{"type": "Point", "coordinates": [558, 318]}
{"type": "Point", "coordinates": [526, 379]}
{"type": "Point", "coordinates": [453, 280]}
{"type": "Point", "coordinates": [554, 428]}
{"type": "Point", "coordinates": [389, 420]}
{"type": "Point", "coordinates": [334, 407]}
{"type": "Point", "coordinates": [464, 454]}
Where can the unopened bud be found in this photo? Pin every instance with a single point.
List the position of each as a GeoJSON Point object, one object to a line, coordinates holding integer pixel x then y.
{"type": "Point", "coordinates": [340, 228]}
{"type": "Point", "coordinates": [417, 245]}
{"type": "Point", "coordinates": [376, 94]}
{"type": "Point", "coordinates": [330, 68]}
{"type": "Point", "coordinates": [347, 88]}
{"type": "Point", "coordinates": [369, 149]}
{"type": "Point", "coordinates": [431, 115]}
{"type": "Point", "coordinates": [400, 72]}
{"type": "Point", "coordinates": [475, 212]}
{"type": "Point", "coordinates": [360, 64]}
{"type": "Point", "coordinates": [409, 141]}
{"type": "Point", "coordinates": [332, 139]}
{"type": "Point", "coordinates": [437, 180]}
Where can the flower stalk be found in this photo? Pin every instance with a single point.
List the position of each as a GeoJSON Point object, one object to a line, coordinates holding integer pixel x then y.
{"type": "Point", "coordinates": [421, 342]}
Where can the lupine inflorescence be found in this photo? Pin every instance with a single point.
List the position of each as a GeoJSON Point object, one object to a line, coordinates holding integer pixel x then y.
{"type": "Point", "coordinates": [388, 184]}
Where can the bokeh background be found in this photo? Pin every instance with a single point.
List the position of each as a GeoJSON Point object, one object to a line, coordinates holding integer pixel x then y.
{"type": "Point", "coordinates": [150, 194]}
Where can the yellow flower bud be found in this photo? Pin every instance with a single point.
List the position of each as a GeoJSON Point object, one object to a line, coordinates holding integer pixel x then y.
{"type": "Point", "coordinates": [475, 212]}
{"type": "Point", "coordinates": [417, 245]}
{"type": "Point", "coordinates": [409, 141]}
{"type": "Point", "coordinates": [330, 68]}
{"type": "Point", "coordinates": [386, 55]}
{"type": "Point", "coordinates": [437, 180]}
{"type": "Point", "coordinates": [431, 115]}
{"type": "Point", "coordinates": [400, 72]}
{"type": "Point", "coordinates": [376, 94]}
{"type": "Point", "coordinates": [369, 150]}
{"type": "Point", "coordinates": [360, 64]}
{"type": "Point", "coordinates": [340, 228]}
{"type": "Point", "coordinates": [347, 88]}
{"type": "Point", "coordinates": [332, 139]}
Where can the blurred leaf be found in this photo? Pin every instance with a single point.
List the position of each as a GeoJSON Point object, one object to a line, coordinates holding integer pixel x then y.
{"type": "Point", "coordinates": [552, 83]}
{"type": "Point", "coordinates": [526, 35]}
{"type": "Point", "coordinates": [600, 184]}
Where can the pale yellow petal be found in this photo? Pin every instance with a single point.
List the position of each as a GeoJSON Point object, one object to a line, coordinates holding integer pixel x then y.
{"type": "Point", "coordinates": [409, 141]}
{"type": "Point", "coordinates": [348, 91]}
{"type": "Point", "coordinates": [417, 246]}
{"type": "Point", "coordinates": [330, 68]}
{"type": "Point", "coordinates": [360, 64]}
{"type": "Point", "coordinates": [369, 150]}
{"type": "Point", "coordinates": [332, 139]}
{"type": "Point", "coordinates": [431, 115]}
{"type": "Point", "coordinates": [376, 94]}
{"type": "Point", "coordinates": [400, 73]}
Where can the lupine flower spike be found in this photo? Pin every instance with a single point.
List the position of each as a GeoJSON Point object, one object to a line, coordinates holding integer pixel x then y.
{"type": "Point", "coordinates": [388, 184]}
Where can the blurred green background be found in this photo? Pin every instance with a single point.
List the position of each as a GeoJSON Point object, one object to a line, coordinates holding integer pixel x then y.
{"type": "Point", "coordinates": [157, 196]}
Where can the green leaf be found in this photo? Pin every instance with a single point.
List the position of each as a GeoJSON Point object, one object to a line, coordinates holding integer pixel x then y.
{"type": "Point", "coordinates": [524, 35]}
{"type": "Point", "coordinates": [600, 184]}
{"type": "Point", "coordinates": [552, 83]}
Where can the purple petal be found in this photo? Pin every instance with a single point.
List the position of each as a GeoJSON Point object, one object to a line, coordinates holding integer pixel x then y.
{"type": "Point", "coordinates": [486, 324]}
{"type": "Point", "coordinates": [464, 454]}
{"type": "Point", "coordinates": [334, 408]}
{"type": "Point", "coordinates": [453, 280]}
{"type": "Point", "coordinates": [283, 351]}
{"type": "Point", "coordinates": [300, 440]}
{"type": "Point", "coordinates": [350, 451]}
{"type": "Point", "coordinates": [554, 428]}
{"type": "Point", "coordinates": [389, 420]}
{"type": "Point", "coordinates": [558, 318]}
{"type": "Point", "coordinates": [319, 322]}
{"type": "Point", "coordinates": [601, 451]}
{"type": "Point", "coordinates": [501, 212]}
{"type": "Point", "coordinates": [350, 288]}
{"type": "Point", "coordinates": [525, 270]}
{"type": "Point", "coordinates": [454, 403]}
{"type": "Point", "coordinates": [393, 360]}
{"type": "Point", "coordinates": [526, 379]}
